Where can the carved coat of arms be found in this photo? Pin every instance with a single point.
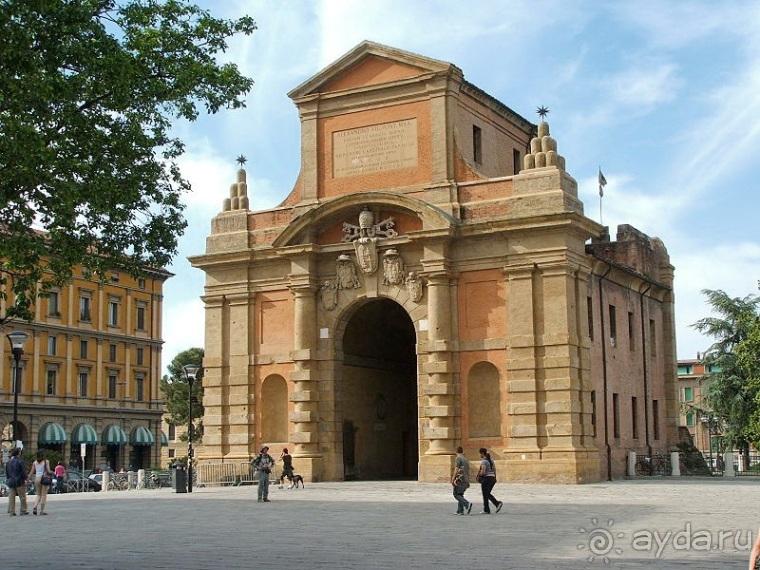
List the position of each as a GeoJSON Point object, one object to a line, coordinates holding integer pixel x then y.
{"type": "Point", "coordinates": [366, 254]}
{"type": "Point", "coordinates": [414, 286]}
{"type": "Point", "coordinates": [347, 278]}
{"type": "Point", "coordinates": [328, 293]}
{"type": "Point", "coordinates": [393, 268]}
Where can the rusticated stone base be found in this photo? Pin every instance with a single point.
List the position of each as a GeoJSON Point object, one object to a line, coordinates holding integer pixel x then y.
{"type": "Point", "coordinates": [550, 466]}
{"type": "Point", "coordinates": [436, 468]}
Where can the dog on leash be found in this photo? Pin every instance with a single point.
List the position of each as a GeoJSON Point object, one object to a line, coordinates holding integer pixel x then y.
{"type": "Point", "coordinates": [296, 480]}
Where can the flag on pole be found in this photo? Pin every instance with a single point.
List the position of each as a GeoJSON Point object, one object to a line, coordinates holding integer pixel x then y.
{"type": "Point", "coordinates": [602, 183]}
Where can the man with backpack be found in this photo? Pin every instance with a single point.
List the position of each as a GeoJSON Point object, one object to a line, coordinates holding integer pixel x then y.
{"type": "Point", "coordinates": [16, 479]}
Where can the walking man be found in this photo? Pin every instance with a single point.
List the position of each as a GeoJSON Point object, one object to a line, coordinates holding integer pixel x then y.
{"type": "Point", "coordinates": [15, 472]}
{"type": "Point", "coordinates": [461, 481]}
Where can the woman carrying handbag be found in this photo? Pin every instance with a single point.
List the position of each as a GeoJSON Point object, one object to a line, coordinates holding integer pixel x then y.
{"type": "Point", "coordinates": [42, 479]}
{"type": "Point", "coordinates": [487, 480]}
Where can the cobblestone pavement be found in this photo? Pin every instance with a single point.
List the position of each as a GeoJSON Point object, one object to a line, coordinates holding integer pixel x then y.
{"type": "Point", "coordinates": [658, 523]}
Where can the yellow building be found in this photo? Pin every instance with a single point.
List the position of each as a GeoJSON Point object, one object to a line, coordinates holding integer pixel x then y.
{"type": "Point", "coordinates": [90, 372]}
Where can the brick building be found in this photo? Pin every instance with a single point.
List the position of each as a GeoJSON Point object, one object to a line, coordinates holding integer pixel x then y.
{"type": "Point", "coordinates": [427, 284]}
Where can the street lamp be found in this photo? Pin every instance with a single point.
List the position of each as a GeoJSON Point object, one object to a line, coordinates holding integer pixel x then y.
{"type": "Point", "coordinates": [191, 370]}
{"type": "Point", "coordinates": [711, 423]}
{"type": "Point", "coordinates": [18, 340]}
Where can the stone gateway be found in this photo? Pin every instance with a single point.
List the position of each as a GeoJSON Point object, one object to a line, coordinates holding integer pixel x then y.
{"type": "Point", "coordinates": [427, 284]}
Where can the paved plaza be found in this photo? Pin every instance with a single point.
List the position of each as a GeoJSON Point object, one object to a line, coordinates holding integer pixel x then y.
{"type": "Point", "coordinates": [395, 525]}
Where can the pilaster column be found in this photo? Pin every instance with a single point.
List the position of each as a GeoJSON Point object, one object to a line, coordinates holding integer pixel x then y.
{"type": "Point", "coordinates": [305, 396]}
{"type": "Point", "coordinates": [522, 386]}
{"type": "Point", "coordinates": [440, 389]}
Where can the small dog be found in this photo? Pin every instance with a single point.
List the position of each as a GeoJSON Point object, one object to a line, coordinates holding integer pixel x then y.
{"type": "Point", "coordinates": [296, 480]}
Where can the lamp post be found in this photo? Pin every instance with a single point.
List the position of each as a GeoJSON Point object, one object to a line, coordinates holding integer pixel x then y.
{"type": "Point", "coordinates": [18, 340]}
{"type": "Point", "coordinates": [191, 370]}
{"type": "Point", "coordinates": [711, 423]}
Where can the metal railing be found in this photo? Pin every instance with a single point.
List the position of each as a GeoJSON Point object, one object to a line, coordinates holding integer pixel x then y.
{"type": "Point", "coordinates": [216, 474]}
{"type": "Point", "coordinates": [653, 465]}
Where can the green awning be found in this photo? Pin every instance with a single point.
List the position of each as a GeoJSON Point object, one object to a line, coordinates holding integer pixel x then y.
{"type": "Point", "coordinates": [114, 435]}
{"type": "Point", "coordinates": [141, 436]}
{"type": "Point", "coordinates": [164, 440]}
{"type": "Point", "coordinates": [52, 434]}
{"type": "Point", "coordinates": [84, 433]}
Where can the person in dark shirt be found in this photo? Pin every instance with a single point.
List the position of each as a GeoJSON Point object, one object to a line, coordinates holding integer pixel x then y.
{"type": "Point", "coordinates": [15, 473]}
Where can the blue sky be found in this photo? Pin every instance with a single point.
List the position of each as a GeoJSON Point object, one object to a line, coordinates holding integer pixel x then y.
{"type": "Point", "coordinates": [664, 96]}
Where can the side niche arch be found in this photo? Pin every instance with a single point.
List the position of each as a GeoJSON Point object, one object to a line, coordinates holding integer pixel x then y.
{"type": "Point", "coordinates": [274, 406]}
{"type": "Point", "coordinates": [483, 401]}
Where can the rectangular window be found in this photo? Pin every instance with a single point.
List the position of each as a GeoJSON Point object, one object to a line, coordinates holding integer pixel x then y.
{"type": "Point", "coordinates": [652, 338]}
{"type": "Point", "coordinates": [613, 326]}
{"type": "Point", "coordinates": [114, 277]}
{"type": "Point", "coordinates": [85, 313]}
{"type": "Point", "coordinates": [83, 376]}
{"type": "Point", "coordinates": [53, 307]}
{"type": "Point", "coordinates": [141, 283]}
{"type": "Point", "coordinates": [635, 417]}
{"type": "Point", "coordinates": [616, 415]}
{"type": "Point", "coordinates": [477, 145]}
{"type": "Point", "coordinates": [50, 381]}
{"type": "Point", "coordinates": [171, 454]}
{"type": "Point", "coordinates": [52, 345]}
{"type": "Point", "coordinates": [112, 353]}
{"type": "Point", "coordinates": [593, 412]}
{"type": "Point", "coordinates": [690, 418]}
{"type": "Point", "coordinates": [516, 160]}
{"type": "Point", "coordinates": [112, 386]}
{"type": "Point", "coordinates": [139, 359]}
{"type": "Point", "coordinates": [83, 349]}
{"type": "Point", "coordinates": [685, 369]}
{"type": "Point", "coordinates": [113, 313]}
{"type": "Point", "coordinates": [140, 318]}
{"type": "Point", "coordinates": [688, 394]}
{"type": "Point", "coordinates": [590, 310]}
{"type": "Point", "coordinates": [139, 388]}
{"type": "Point", "coordinates": [631, 332]}
{"type": "Point", "coordinates": [656, 418]}
{"type": "Point", "coordinates": [172, 432]}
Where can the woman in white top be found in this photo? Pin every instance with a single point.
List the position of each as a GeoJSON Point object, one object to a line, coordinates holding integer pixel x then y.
{"type": "Point", "coordinates": [39, 468]}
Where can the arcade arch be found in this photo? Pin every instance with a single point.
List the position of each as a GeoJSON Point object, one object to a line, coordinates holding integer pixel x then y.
{"type": "Point", "coordinates": [377, 393]}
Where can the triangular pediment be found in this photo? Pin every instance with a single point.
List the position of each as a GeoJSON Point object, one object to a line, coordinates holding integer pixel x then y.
{"type": "Point", "coordinates": [370, 64]}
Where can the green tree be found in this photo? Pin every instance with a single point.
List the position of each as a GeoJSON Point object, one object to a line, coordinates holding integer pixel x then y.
{"type": "Point", "coordinates": [176, 391]}
{"type": "Point", "coordinates": [729, 392]}
{"type": "Point", "coordinates": [88, 172]}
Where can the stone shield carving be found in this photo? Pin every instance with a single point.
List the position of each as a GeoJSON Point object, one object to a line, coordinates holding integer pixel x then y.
{"type": "Point", "coordinates": [366, 254]}
{"type": "Point", "coordinates": [347, 278]}
{"type": "Point", "coordinates": [328, 293]}
{"type": "Point", "coordinates": [414, 286]}
{"type": "Point", "coordinates": [393, 268]}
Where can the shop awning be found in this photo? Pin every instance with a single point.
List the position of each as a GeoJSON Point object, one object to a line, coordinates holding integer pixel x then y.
{"type": "Point", "coordinates": [84, 433]}
{"type": "Point", "coordinates": [114, 435]}
{"type": "Point", "coordinates": [141, 436]}
{"type": "Point", "coordinates": [164, 440]}
{"type": "Point", "coordinates": [52, 434]}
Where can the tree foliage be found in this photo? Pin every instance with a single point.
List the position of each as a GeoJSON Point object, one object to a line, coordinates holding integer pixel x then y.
{"type": "Point", "coordinates": [731, 391]}
{"type": "Point", "coordinates": [176, 391]}
{"type": "Point", "coordinates": [88, 172]}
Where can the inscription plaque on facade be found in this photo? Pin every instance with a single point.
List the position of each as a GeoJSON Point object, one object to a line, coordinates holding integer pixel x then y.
{"type": "Point", "coordinates": [375, 148]}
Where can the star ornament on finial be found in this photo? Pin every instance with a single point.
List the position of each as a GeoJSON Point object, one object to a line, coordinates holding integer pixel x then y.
{"type": "Point", "coordinates": [542, 111]}
{"type": "Point", "coordinates": [241, 160]}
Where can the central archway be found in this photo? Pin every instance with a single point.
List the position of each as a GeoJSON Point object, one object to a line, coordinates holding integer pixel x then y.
{"type": "Point", "coordinates": [380, 393]}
